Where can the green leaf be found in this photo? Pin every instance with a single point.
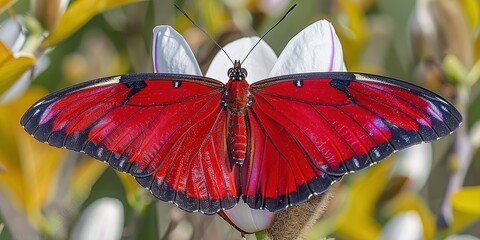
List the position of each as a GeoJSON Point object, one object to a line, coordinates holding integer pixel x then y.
{"type": "Point", "coordinates": [454, 69]}
{"type": "Point", "coordinates": [474, 75]}
{"type": "Point", "coordinates": [261, 235]}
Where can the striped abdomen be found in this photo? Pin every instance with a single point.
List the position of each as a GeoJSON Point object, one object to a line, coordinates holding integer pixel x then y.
{"type": "Point", "coordinates": [237, 137]}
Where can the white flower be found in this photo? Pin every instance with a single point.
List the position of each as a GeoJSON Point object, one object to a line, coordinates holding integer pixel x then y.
{"type": "Point", "coordinates": [12, 34]}
{"type": "Point", "coordinates": [315, 49]}
{"type": "Point", "coordinates": [103, 219]}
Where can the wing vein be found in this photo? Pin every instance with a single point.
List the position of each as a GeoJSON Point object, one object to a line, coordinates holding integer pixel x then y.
{"type": "Point", "coordinates": [422, 95]}
{"type": "Point", "coordinates": [209, 134]}
{"type": "Point", "coordinates": [259, 92]}
{"type": "Point", "coordinates": [396, 109]}
{"type": "Point", "coordinates": [367, 133]}
{"type": "Point", "coordinates": [263, 129]}
{"type": "Point", "coordinates": [85, 110]}
{"type": "Point", "coordinates": [278, 150]}
{"type": "Point", "coordinates": [176, 102]}
{"type": "Point", "coordinates": [174, 131]}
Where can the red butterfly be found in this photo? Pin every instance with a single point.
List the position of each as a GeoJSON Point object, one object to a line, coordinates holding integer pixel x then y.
{"type": "Point", "coordinates": [204, 145]}
{"type": "Point", "coordinates": [201, 144]}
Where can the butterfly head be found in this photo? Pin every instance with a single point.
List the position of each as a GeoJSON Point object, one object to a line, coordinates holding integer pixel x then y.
{"type": "Point", "coordinates": [237, 73]}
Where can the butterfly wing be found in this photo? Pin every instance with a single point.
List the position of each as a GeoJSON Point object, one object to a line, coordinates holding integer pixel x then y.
{"type": "Point", "coordinates": [308, 130]}
{"type": "Point", "coordinates": [167, 130]}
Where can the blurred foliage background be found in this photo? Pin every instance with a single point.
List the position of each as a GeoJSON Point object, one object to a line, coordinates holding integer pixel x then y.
{"type": "Point", "coordinates": [426, 192]}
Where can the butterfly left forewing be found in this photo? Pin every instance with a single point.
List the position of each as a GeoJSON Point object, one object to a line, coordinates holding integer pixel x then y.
{"type": "Point", "coordinates": [167, 130]}
{"type": "Point", "coordinates": [316, 127]}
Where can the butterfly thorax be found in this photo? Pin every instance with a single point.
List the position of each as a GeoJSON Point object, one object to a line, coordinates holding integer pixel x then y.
{"type": "Point", "coordinates": [236, 96]}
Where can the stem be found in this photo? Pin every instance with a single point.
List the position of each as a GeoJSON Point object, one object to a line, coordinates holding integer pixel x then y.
{"type": "Point", "coordinates": [35, 36]}
{"type": "Point", "coordinates": [134, 223]}
{"type": "Point", "coordinates": [463, 155]}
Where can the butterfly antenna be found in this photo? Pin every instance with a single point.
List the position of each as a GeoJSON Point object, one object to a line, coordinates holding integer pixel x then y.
{"type": "Point", "coordinates": [203, 30]}
{"type": "Point", "coordinates": [279, 21]}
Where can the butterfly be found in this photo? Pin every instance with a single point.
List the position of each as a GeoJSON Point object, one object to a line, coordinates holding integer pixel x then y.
{"type": "Point", "coordinates": [202, 144]}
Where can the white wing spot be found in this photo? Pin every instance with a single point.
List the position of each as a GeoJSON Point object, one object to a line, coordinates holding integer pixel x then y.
{"type": "Point", "coordinates": [99, 152]}
{"type": "Point", "coordinates": [376, 152]}
{"type": "Point", "coordinates": [355, 161]}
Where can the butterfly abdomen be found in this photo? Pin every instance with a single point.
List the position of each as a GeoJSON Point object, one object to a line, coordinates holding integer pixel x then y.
{"type": "Point", "coordinates": [237, 130]}
{"type": "Point", "coordinates": [237, 99]}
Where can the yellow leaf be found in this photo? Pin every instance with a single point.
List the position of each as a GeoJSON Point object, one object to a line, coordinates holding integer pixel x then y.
{"type": "Point", "coordinates": [31, 166]}
{"type": "Point", "coordinates": [5, 4]}
{"type": "Point", "coordinates": [77, 14]}
{"type": "Point", "coordinates": [129, 182]}
{"type": "Point", "coordinates": [409, 201]}
{"type": "Point", "coordinates": [12, 70]}
{"type": "Point", "coordinates": [477, 47]}
{"type": "Point", "coordinates": [359, 206]}
{"type": "Point", "coordinates": [465, 207]}
{"type": "Point", "coordinates": [354, 36]}
{"type": "Point", "coordinates": [84, 176]}
{"type": "Point", "coordinates": [5, 53]}
{"type": "Point", "coordinates": [12, 67]}
{"type": "Point", "coordinates": [471, 8]}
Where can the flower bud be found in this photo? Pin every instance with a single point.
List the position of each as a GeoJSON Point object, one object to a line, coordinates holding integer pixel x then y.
{"type": "Point", "coordinates": [48, 12]}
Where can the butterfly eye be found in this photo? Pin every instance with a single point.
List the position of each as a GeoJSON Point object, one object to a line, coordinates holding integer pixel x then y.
{"type": "Point", "coordinates": [230, 71]}
{"type": "Point", "coordinates": [244, 72]}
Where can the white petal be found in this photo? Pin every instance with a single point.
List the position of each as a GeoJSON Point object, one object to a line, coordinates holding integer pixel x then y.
{"type": "Point", "coordinates": [258, 64]}
{"type": "Point", "coordinates": [12, 34]}
{"type": "Point", "coordinates": [250, 220]}
{"type": "Point", "coordinates": [171, 53]}
{"type": "Point", "coordinates": [406, 225]}
{"type": "Point", "coordinates": [415, 163]}
{"type": "Point", "coordinates": [103, 219]}
{"type": "Point", "coordinates": [315, 49]}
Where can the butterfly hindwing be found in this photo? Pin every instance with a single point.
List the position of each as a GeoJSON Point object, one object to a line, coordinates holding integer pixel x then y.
{"type": "Point", "coordinates": [308, 130]}
{"type": "Point", "coordinates": [167, 130]}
